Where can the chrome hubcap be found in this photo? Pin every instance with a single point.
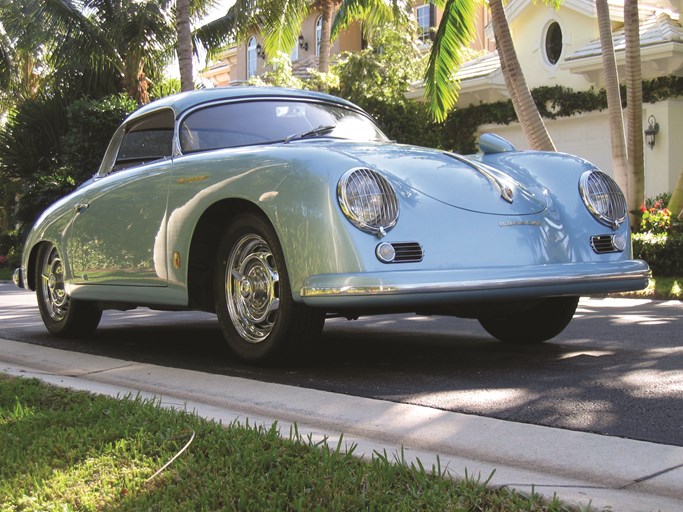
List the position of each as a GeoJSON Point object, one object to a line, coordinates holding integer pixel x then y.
{"type": "Point", "coordinates": [52, 287]}
{"type": "Point", "coordinates": [252, 288]}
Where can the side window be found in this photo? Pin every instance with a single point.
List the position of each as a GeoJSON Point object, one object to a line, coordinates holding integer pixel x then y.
{"type": "Point", "coordinates": [145, 140]}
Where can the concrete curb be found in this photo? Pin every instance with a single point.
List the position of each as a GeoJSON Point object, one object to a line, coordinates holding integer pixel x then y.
{"type": "Point", "coordinates": [580, 468]}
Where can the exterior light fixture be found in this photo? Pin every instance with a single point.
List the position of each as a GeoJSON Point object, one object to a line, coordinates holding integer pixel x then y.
{"type": "Point", "coordinates": [303, 44]}
{"type": "Point", "coordinates": [260, 52]}
{"type": "Point", "coordinates": [651, 131]}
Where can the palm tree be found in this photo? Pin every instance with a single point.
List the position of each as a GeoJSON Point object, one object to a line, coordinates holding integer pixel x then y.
{"type": "Point", "coordinates": [527, 113]}
{"type": "Point", "coordinates": [20, 55]}
{"type": "Point", "coordinates": [127, 38]}
{"type": "Point", "coordinates": [616, 122]}
{"type": "Point", "coordinates": [676, 202]}
{"type": "Point", "coordinates": [634, 109]}
{"type": "Point", "coordinates": [280, 21]}
{"type": "Point", "coordinates": [454, 32]}
{"type": "Point", "coordinates": [184, 31]}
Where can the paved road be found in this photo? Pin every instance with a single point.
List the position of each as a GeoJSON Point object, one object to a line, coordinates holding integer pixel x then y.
{"type": "Point", "coordinates": [617, 369]}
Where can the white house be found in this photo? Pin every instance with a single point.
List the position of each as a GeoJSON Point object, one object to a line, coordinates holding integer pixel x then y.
{"type": "Point", "coordinates": [562, 47]}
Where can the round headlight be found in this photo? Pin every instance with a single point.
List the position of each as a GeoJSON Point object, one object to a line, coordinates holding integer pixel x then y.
{"type": "Point", "coordinates": [368, 200]}
{"type": "Point", "coordinates": [603, 198]}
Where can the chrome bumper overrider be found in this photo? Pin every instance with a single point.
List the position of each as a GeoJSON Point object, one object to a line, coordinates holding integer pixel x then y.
{"type": "Point", "coordinates": [18, 278]}
{"type": "Point", "coordinates": [418, 286]}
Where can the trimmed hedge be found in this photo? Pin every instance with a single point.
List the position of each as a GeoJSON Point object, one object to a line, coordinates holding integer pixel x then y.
{"type": "Point", "coordinates": [664, 253]}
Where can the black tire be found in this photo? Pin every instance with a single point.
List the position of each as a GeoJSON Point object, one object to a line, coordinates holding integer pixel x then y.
{"type": "Point", "coordinates": [539, 323]}
{"type": "Point", "coordinates": [259, 319]}
{"type": "Point", "coordinates": [63, 316]}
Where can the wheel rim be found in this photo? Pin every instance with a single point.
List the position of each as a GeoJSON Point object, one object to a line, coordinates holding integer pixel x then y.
{"type": "Point", "coordinates": [52, 286]}
{"type": "Point", "coordinates": [252, 288]}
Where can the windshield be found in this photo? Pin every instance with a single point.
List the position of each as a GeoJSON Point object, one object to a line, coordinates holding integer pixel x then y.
{"type": "Point", "coordinates": [261, 122]}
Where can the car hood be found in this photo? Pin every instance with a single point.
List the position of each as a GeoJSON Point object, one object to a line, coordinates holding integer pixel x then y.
{"type": "Point", "coordinates": [449, 178]}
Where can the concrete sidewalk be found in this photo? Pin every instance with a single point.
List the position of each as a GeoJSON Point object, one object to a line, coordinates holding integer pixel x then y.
{"type": "Point", "coordinates": [580, 468]}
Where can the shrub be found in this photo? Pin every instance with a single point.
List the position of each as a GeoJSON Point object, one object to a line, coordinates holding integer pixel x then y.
{"type": "Point", "coordinates": [91, 124]}
{"type": "Point", "coordinates": [10, 249]}
{"type": "Point", "coordinates": [663, 252]}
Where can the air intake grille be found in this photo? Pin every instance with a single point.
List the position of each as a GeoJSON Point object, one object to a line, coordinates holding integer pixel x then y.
{"type": "Point", "coordinates": [407, 252]}
{"type": "Point", "coordinates": [603, 244]}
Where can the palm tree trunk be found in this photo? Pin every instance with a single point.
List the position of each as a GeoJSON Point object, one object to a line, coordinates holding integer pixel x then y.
{"type": "Point", "coordinates": [325, 35]}
{"type": "Point", "coordinates": [135, 82]}
{"type": "Point", "coordinates": [527, 113]}
{"type": "Point", "coordinates": [675, 205]}
{"type": "Point", "coordinates": [634, 110]}
{"type": "Point", "coordinates": [184, 44]}
{"type": "Point", "coordinates": [616, 121]}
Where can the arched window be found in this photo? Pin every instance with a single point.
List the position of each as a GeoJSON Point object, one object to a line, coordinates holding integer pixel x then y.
{"type": "Point", "coordinates": [251, 57]}
{"type": "Point", "coordinates": [318, 34]}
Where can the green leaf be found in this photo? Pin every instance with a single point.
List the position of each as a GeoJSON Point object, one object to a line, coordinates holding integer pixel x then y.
{"type": "Point", "coordinates": [455, 32]}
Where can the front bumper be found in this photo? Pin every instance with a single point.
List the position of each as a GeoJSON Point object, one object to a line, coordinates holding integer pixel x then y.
{"type": "Point", "coordinates": [405, 288]}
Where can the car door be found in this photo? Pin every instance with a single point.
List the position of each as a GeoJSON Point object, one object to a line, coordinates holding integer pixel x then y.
{"type": "Point", "coordinates": [118, 235]}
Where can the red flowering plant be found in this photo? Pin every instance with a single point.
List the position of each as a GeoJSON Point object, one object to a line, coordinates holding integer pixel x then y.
{"type": "Point", "coordinates": [655, 218]}
{"type": "Point", "coordinates": [3, 260]}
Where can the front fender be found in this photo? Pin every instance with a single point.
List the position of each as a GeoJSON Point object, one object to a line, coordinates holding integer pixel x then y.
{"type": "Point", "coordinates": [294, 190]}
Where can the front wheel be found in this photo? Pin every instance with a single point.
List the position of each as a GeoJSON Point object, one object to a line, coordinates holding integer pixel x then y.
{"type": "Point", "coordinates": [62, 315]}
{"type": "Point", "coordinates": [259, 319]}
{"type": "Point", "coordinates": [537, 324]}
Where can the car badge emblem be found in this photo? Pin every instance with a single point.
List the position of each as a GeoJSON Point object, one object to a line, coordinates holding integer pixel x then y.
{"type": "Point", "coordinates": [506, 193]}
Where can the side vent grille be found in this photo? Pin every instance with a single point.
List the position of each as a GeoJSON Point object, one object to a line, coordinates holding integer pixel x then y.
{"type": "Point", "coordinates": [407, 252]}
{"type": "Point", "coordinates": [603, 244]}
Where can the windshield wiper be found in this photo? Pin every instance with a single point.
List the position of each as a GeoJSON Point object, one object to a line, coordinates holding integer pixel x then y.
{"type": "Point", "coordinates": [310, 133]}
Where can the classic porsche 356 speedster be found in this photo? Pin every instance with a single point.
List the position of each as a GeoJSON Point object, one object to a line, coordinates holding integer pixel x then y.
{"type": "Point", "coordinates": [277, 208]}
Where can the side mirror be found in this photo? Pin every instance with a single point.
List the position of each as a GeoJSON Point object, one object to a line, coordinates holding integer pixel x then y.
{"type": "Point", "coordinates": [492, 143]}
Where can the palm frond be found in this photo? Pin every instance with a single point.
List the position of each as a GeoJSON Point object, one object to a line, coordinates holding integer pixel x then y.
{"type": "Point", "coordinates": [455, 33]}
{"type": "Point", "coordinates": [217, 33]}
{"type": "Point", "coordinates": [67, 22]}
{"type": "Point", "coordinates": [5, 60]}
{"type": "Point", "coordinates": [282, 21]}
{"type": "Point", "coordinates": [248, 16]}
{"type": "Point", "coordinates": [373, 13]}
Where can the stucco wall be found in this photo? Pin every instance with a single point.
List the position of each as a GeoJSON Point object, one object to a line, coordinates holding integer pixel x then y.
{"type": "Point", "coordinates": [528, 32]}
{"type": "Point", "coordinates": [588, 136]}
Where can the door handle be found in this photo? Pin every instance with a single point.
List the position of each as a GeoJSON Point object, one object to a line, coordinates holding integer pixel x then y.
{"type": "Point", "coordinates": [81, 206]}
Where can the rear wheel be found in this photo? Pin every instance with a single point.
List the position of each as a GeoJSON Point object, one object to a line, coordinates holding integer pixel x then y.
{"type": "Point", "coordinates": [539, 323]}
{"type": "Point", "coordinates": [259, 319]}
{"type": "Point", "coordinates": [62, 315]}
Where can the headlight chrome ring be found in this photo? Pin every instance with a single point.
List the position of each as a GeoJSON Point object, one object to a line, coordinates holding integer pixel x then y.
{"type": "Point", "coordinates": [368, 200]}
{"type": "Point", "coordinates": [603, 198]}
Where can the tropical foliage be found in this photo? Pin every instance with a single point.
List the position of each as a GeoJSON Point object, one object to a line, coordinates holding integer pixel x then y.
{"type": "Point", "coordinates": [50, 148]}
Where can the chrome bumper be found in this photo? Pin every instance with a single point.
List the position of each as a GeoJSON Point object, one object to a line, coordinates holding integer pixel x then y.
{"type": "Point", "coordinates": [404, 287]}
{"type": "Point", "coordinates": [18, 278]}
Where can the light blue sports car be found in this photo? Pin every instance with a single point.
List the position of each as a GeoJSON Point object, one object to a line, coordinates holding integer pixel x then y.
{"type": "Point", "coordinates": [276, 208]}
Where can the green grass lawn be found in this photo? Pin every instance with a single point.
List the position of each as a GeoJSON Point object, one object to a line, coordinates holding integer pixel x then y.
{"type": "Point", "coordinates": [664, 288]}
{"type": "Point", "coordinates": [67, 450]}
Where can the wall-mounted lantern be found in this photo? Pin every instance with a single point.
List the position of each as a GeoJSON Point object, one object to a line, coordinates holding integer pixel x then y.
{"type": "Point", "coordinates": [651, 131]}
{"type": "Point", "coordinates": [303, 44]}
{"type": "Point", "coordinates": [260, 52]}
